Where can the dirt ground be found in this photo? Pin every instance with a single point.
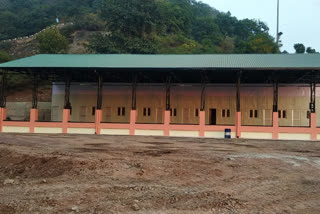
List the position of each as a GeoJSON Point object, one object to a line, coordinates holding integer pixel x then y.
{"type": "Point", "coordinates": [122, 174]}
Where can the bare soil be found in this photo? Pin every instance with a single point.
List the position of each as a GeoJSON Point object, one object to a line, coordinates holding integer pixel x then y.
{"type": "Point", "coordinates": [122, 174]}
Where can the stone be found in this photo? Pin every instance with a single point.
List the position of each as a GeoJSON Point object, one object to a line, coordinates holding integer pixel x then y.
{"type": "Point", "coordinates": [141, 172]}
{"type": "Point", "coordinates": [135, 207]}
{"type": "Point", "coordinates": [8, 181]}
{"type": "Point", "coordinates": [75, 209]}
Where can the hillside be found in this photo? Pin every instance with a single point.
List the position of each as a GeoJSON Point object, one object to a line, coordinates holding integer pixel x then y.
{"type": "Point", "coordinates": [138, 26]}
{"type": "Point", "coordinates": [27, 46]}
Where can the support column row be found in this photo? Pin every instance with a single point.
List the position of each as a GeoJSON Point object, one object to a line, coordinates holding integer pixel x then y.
{"type": "Point", "coordinates": [238, 113]}
{"type": "Point", "coordinates": [313, 116]}
{"type": "Point", "coordinates": [275, 114]}
{"type": "Point", "coordinates": [2, 117]}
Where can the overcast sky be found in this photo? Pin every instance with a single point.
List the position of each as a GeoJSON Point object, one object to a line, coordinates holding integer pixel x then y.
{"type": "Point", "coordinates": [299, 19]}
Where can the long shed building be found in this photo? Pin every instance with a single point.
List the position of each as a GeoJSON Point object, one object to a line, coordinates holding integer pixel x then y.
{"type": "Point", "coordinates": [270, 96]}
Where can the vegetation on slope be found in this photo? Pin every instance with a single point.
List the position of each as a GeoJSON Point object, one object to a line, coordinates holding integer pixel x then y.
{"type": "Point", "coordinates": [177, 26]}
{"type": "Point", "coordinates": [4, 56]}
{"type": "Point", "coordinates": [51, 41]}
{"type": "Point", "coordinates": [139, 26]}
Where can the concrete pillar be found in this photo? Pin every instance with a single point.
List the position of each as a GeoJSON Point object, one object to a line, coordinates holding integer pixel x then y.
{"type": "Point", "coordinates": [33, 118]}
{"type": "Point", "coordinates": [238, 112]}
{"type": "Point", "coordinates": [133, 118]}
{"type": "Point", "coordinates": [98, 119]}
{"type": "Point", "coordinates": [202, 123]}
{"type": "Point", "coordinates": [4, 114]}
{"type": "Point", "coordinates": [2, 117]}
{"type": "Point", "coordinates": [238, 124]}
{"type": "Point", "coordinates": [313, 126]}
{"type": "Point", "coordinates": [166, 123]}
{"type": "Point", "coordinates": [65, 120]}
{"type": "Point", "coordinates": [275, 125]}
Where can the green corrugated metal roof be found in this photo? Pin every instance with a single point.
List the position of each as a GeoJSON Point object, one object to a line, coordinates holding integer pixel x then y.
{"type": "Point", "coordinates": [241, 61]}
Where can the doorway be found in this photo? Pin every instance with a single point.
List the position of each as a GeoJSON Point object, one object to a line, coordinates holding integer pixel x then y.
{"type": "Point", "coordinates": [213, 117]}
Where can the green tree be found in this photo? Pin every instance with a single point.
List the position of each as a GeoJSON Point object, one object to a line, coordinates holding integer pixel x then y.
{"type": "Point", "coordinates": [130, 18]}
{"type": "Point", "coordinates": [300, 48]}
{"type": "Point", "coordinates": [89, 22]}
{"type": "Point", "coordinates": [178, 44]}
{"type": "Point", "coordinates": [52, 42]}
{"type": "Point", "coordinates": [130, 26]}
{"type": "Point", "coordinates": [311, 50]}
{"type": "Point", "coordinates": [247, 27]}
{"type": "Point", "coordinates": [200, 9]}
{"type": "Point", "coordinates": [227, 24]}
{"type": "Point", "coordinates": [206, 28]}
{"type": "Point", "coordinates": [261, 43]}
{"type": "Point", "coordinates": [4, 56]}
{"type": "Point", "coordinates": [174, 17]}
{"type": "Point", "coordinates": [227, 45]}
{"type": "Point", "coordinates": [116, 43]}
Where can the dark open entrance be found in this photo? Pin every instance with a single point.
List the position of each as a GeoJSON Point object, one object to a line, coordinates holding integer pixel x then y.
{"type": "Point", "coordinates": [213, 117]}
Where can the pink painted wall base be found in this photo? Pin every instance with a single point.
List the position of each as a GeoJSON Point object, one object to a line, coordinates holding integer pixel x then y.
{"type": "Point", "coordinates": [133, 118]}
{"type": "Point", "coordinates": [166, 128]}
{"type": "Point", "coordinates": [313, 126]}
{"type": "Point", "coordinates": [98, 119]}
{"type": "Point", "coordinates": [65, 120]}
{"type": "Point", "coordinates": [238, 124]}
{"type": "Point", "coordinates": [202, 123]}
{"type": "Point", "coordinates": [2, 117]}
{"type": "Point", "coordinates": [167, 123]}
{"type": "Point", "coordinates": [33, 118]}
{"type": "Point", "coordinates": [275, 125]}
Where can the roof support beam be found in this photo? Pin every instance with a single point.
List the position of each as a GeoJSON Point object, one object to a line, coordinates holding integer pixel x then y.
{"type": "Point", "coordinates": [168, 92]}
{"type": "Point", "coordinates": [67, 104]}
{"type": "Point", "coordinates": [204, 81]}
{"type": "Point", "coordinates": [99, 91]}
{"type": "Point", "coordinates": [238, 90]}
{"type": "Point", "coordinates": [238, 113]}
{"type": "Point", "coordinates": [3, 89]}
{"type": "Point", "coordinates": [35, 90]}
{"type": "Point", "coordinates": [134, 91]}
{"type": "Point", "coordinates": [313, 93]}
{"type": "Point", "coordinates": [275, 93]}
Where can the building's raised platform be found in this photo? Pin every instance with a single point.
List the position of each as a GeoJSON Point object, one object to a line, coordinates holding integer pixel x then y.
{"type": "Point", "coordinates": [165, 129]}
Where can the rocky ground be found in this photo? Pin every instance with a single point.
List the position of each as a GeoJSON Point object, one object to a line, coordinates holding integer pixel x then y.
{"type": "Point", "coordinates": [118, 174]}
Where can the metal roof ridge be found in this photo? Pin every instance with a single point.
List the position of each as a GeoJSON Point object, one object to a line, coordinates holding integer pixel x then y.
{"type": "Point", "coordinates": [246, 54]}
